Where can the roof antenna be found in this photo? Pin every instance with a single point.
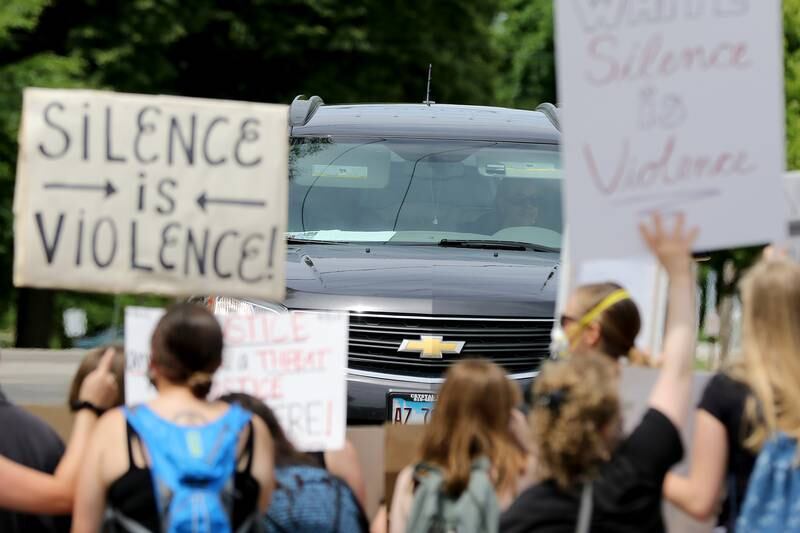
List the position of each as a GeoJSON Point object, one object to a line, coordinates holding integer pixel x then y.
{"type": "Point", "coordinates": [428, 100]}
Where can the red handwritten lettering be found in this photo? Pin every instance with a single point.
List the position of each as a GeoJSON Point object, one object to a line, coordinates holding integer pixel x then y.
{"type": "Point", "coordinates": [641, 62]}
{"type": "Point", "coordinates": [630, 174]}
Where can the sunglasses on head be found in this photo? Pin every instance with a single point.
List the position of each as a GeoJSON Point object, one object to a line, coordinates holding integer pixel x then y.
{"type": "Point", "coordinates": [564, 320]}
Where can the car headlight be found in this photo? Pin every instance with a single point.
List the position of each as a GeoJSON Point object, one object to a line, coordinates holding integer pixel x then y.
{"type": "Point", "coordinates": [225, 305]}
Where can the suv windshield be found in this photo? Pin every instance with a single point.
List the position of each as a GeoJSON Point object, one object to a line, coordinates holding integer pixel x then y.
{"type": "Point", "coordinates": [424, 191]}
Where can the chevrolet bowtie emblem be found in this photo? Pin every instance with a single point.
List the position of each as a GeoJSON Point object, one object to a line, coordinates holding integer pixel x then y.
{"type": "Point", "coordinates": [430, 347]}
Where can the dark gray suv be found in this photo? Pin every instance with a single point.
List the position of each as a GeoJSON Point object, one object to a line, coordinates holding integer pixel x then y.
{"type": "Point", "coordinates": [437, 228]}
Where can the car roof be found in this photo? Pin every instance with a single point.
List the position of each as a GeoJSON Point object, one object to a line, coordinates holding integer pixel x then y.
{"type": "Point", "coordinates": [435, 121]}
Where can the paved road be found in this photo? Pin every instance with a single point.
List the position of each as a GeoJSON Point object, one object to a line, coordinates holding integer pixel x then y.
{"type": "Point", "coordinates": [40, 377]}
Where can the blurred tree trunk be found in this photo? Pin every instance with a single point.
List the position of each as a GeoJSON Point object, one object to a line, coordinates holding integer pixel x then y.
{"type": "Point", "coordinates": [35, 308]}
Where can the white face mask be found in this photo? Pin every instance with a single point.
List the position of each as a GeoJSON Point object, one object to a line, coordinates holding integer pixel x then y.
{"type": "Point", "coordinates": [559, 343]}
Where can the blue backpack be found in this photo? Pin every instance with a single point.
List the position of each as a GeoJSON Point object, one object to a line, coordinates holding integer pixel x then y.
{"type": "Point", "coordinates": [772, 501]}
{"type": "Point", "coordinates": [192, 468]}
{"type": "Point", "coordinates": [308, 499]}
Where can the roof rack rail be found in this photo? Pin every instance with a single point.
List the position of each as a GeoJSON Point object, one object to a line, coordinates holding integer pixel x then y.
{"type": "Point", "coordinates": [552, 114]}
{"type": "Point", "coordinates": [302, 109]}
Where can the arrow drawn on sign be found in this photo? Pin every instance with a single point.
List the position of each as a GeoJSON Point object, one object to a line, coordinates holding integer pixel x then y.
{"type": "Point", "coordinates": [108, 187]}
{"type": "Point", "coordinates": [204, 200]}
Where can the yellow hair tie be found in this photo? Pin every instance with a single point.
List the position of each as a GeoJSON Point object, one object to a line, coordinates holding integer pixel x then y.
{"type": "Point", "coordinates": [605, 303]}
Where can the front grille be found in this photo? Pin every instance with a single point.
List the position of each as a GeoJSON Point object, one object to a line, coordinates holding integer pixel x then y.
{"type": "Point", "coordinates": [518, 345]}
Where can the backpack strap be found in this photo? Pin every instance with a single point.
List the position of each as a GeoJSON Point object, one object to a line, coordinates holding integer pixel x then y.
{"type": "Point", "coordinates": [585, 513]}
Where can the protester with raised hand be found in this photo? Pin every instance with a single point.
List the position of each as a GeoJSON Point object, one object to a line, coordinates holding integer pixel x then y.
{"type": "Point", "coordinates": [593, 479]}
{"type": "Point", "coordinates": [307, 497]}
{"type": "Point", "coordinates": [26, 490]}
{"type": "Point", "coordinates": [178, 461]}
{"type": "Point", "coordinates": [470, 461]}
{"type": "Point", "coordinates": [743, 405]}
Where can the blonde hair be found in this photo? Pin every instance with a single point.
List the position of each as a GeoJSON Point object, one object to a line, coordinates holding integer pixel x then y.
{"type": "Point", "coordinates": [770, 365]}
{"type": "Point", "coordinates": [472, 419]}
{"type": "Point", "coordinates": [90, 362]}
{"type": "Point", "coordinates": [619, 323]}
{"type": "Point", "coordinates": [575, 401]}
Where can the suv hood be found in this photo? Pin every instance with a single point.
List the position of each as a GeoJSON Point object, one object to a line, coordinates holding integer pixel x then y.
{"type": "Point", "coordinates": [421, 279]}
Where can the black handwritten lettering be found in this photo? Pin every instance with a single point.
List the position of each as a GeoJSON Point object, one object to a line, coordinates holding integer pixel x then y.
{"type": "Point", "coordinates": [206, 155]}
{"type": "Point", "coordinates": [187, 145]}
{"type": "Point", "coordinates": [143, 129]}
{"type": "Point", "coordinates": [166, 195]}
{"type": "Point", "coordinates": [247, 252]}
{"type": "Point", "coordinates": [199, 254]}
{"type": "Point", "coordinates": [112, 248]}
{"type": "Point", "coordinates": [165, 242]}
{"type": "Point", "coordinates": [49, 121]}
{"type": "Point", "coordinates": [249, 136]}
{"type": "Point", "coordinates": [110, 157]}
{"type": "Point", "coordinates": [49, 249]}
{"type": "Point", "coordinates": [85, 153]}
{"type": "Point", "coordinates": [134, 264]}
{"type": "Point", "coordinates": [217, 247]}
{"type": "Point", "coordinates": [79, 247]}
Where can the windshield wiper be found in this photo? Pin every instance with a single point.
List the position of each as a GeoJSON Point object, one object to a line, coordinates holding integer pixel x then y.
{"type": "Point", "coordinates": [488, 244]}
{"type": "Point", "coordinates": [295, 240]}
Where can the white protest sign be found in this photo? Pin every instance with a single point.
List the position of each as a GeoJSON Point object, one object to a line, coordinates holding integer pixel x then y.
{"type": "Point", "coordinates": [151, 194]}
{"type": "Point", "coordinates": [296, 363]}
{"type": "Point", "coordinates": [671, 105]}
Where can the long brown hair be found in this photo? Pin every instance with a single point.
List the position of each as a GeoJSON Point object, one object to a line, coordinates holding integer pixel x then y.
{"type": "Point", "coordinates": [619, 323]}
{"type": "Point", "coordinates": [472, 419]}
{"type": "Point", "coordinates": [771, 349]}
{"type": "Point", "coordinates": [575, 402]}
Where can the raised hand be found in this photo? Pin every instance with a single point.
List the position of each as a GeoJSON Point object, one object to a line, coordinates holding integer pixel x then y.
{"type": "Point", "coordinates": [100, 387]}
{"type": "Point", "coordinates": [672, 248]}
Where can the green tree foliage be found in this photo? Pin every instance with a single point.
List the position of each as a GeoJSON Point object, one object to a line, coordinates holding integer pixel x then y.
{"type": "Point", "coordinates": [257, 50]}
{"type": "Point", "coordinates": [523, 35]}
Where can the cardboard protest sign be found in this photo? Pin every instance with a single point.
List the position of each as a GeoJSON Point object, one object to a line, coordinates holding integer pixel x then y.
{"type": "Point", "coordinates": [151, 194]}
{"type": "Point", "coordinates": [652, 96]}
{"type": "Point", "coordinates": [296, 363]}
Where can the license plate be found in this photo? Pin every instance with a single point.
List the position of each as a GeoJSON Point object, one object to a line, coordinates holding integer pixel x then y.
{"type": "Point", "coordinates": [410, 407]}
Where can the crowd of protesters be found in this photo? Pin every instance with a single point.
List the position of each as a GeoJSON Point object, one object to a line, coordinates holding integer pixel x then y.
{"type": "Point", "coordinates": [487, 462]}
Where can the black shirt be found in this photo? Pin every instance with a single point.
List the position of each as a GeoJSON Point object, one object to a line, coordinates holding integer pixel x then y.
{"type": "Point", "coordinates": [627, 490]}
{"type": "Point", "coordinates": [724, 398]}
{"type": "Point", "coordinates": [29, 441]}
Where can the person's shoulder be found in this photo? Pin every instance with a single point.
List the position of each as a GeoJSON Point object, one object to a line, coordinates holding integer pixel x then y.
{"type": "Point", "coordinates": [111, 422]}
{"type": "Point", "coordinates": [723, 391]}
{"type": "Point", "coordinates": [540, 506]}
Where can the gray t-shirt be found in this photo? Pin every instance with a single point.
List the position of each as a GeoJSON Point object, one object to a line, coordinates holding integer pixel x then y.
{"type": "Point", "coordinates": [29, 441]}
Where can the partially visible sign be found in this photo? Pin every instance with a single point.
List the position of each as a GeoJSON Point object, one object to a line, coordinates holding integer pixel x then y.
{"type": "Point", "coordinates": [151, 194]}
{"type": "Point", "coordinates": [652, 96]}
{"type": "Point", "coordinates": [296, 363]}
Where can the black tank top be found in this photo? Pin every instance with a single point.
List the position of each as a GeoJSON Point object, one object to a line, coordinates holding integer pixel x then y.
{"type": "Point", "coordinates": [131, 495]}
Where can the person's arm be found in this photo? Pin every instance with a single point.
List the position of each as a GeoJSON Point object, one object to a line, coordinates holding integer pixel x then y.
{"type": "Point", "coordinates": [26, 490]}
{"type": "Point", "coordinates": [672, 392]}
{"type": "Point", "coordinates": [344, 464]}
{"type": "Point", "coordinates": [698, 494]}
{"type": "Point", "coordinates": [94, 480]}
{"type": "Point", "coordinates": [263, 467]}
{"type": "Point", "coordinates": [402, 499]}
